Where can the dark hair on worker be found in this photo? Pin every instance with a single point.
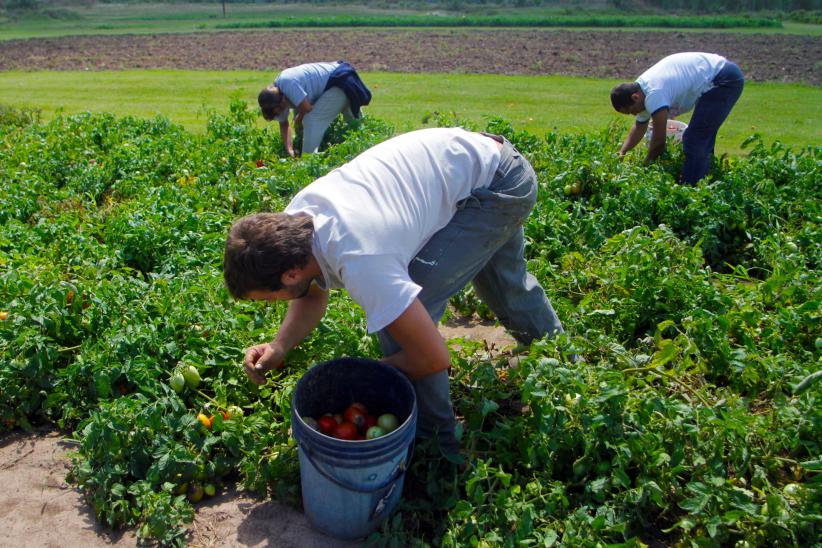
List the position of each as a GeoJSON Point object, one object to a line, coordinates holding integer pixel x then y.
{"type": "Point", "coordinates": [269, 99]}
{"type": "Point", "coordinates": [621, 95]}
{"type": "Point", "coordinates": [260, 248]}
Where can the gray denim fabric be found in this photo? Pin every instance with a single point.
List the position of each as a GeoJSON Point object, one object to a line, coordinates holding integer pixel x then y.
{"type": "Point", "coordinates": [483, 243]}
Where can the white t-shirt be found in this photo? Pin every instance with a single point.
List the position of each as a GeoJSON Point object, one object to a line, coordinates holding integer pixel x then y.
{"type": "Point", "coordinates": [306, 81]}
{"type": "Point", "coordinates": [375, 213]}
{"type": "Point", "coordinates": [677, 82]}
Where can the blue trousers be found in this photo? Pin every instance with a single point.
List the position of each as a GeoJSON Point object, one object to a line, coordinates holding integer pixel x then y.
{"type": "Point", "coordinates": [710, 112]}
{"type": "Point", "coordinates": [484, 244]}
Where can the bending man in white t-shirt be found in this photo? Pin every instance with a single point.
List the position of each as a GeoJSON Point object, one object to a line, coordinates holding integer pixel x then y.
{"type": "Point", "coordinates": [705, 82]}
{"type": "Point", "coordinates": [317, 93]}
{"type": "Point", "coordinates": [402, 227]}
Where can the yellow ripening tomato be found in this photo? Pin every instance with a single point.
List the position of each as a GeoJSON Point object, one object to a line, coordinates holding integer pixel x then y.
{"type": "Point", "coordinates": [205, 420]}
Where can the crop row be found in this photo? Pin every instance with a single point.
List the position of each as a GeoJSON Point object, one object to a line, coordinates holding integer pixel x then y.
{"type": "Point", "coordinates": [610, 21]}
{"type": "Point", "coordinates": [694, 417]}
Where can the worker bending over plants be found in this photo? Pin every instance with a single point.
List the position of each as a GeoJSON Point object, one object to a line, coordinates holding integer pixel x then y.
{"type": "Point", "coordinates": [705, 82]}
{"type": "Point", "coordinates": [317, 93]}
{"type": "Point", "coordinates": [402, 227]}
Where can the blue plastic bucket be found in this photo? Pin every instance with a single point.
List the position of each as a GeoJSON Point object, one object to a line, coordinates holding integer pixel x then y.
{"type": "Point", "coordinates": [350, 487]}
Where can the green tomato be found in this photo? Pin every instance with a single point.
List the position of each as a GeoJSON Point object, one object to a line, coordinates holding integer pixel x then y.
{"type": "Point", "coordinates": [195, 492]}
{"type": "Point", "coordinates": [792, 490]}
{"type": "Point", "coordinates": [209, 489]}
{"type": "Point", "coordinates": [374, 432]}
{"type": "Point", "coordinates": [192, 376]}
{"type": "Point", "coordinates": [177, 382]}
{"type": "Point", "coordinates": [387, 422]}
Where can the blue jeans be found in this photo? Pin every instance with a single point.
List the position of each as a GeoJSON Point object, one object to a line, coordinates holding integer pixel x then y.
{"type": "Point", "coordinates": [484, 244]}
{"type": "Point", "coordinates": [710, 112]}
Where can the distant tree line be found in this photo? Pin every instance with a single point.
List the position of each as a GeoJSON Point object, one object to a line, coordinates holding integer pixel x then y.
{"type": "Point", "coordinates": [693, 6]}
{"type": "Point", "coordinates": [735, 6]}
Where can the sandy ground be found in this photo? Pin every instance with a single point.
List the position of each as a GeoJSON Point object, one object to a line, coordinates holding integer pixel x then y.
{"type": "Point", "coordinates": [39, 508]}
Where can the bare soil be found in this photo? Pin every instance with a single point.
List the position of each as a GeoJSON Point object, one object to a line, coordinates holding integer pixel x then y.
{"type": "Point", "coordinates": [39, 508]}
{"type": "Point", "coordinates": [605, 54]}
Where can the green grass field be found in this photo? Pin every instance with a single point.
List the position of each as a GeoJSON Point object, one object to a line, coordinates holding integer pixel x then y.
{"type": "Point", "coordinates": [532, 103]}
{"type": "Point", "coordinates": [141, 18]}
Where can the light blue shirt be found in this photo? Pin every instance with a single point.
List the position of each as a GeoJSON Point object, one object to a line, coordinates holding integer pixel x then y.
{"type": "Point", "coordinates": [306, 81]}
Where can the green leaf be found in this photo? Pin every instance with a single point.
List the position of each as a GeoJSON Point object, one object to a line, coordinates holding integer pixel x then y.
{"type": "Point", "coordinates": [489, 406]}
{"type": "Point", "coordinates": [667, 352]}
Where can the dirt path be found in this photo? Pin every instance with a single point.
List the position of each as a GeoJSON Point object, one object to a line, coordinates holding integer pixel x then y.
{"type": "Point", "coordinates": [38, 507]}
{"type": "Point", "coordinates": [605, 54]}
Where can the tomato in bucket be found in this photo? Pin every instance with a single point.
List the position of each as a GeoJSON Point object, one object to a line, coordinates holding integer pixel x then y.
{"type": "Point", "coordinates": [351, 486]}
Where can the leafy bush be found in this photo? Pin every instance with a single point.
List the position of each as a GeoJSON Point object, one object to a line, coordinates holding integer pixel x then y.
{"type": "Point", "coordinates": [694, 417]}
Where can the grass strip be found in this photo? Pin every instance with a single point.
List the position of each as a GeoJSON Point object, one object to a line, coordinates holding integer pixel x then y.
{"type": "Point", "coordinates": [537, 104]}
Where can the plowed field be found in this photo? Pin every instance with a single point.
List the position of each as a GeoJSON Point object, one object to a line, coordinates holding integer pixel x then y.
{"type": "Point", "coordinates": [605, 54]}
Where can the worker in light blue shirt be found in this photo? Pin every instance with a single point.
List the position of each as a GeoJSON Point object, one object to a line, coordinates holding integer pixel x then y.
{"type": "Point", "coordinates": [317, 93]}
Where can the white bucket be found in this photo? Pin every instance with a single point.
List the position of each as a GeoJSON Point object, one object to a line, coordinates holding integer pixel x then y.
{"type": "Point", "coordinates": [674, 128]}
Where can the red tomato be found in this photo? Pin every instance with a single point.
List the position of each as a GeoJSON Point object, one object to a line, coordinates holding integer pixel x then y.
{"type": "Point", "coordinates": [345, 431]}
{"type": "Point", "coordinates": [226, 415]}
{"type": "Point", "coordinates": [326, 424]}
{"type": "Point", "coordinates": [355, 415]}
{"type": "Point", "coordinates": [370, 420]}
{"type": "Point", "coordinates": [360, 406]}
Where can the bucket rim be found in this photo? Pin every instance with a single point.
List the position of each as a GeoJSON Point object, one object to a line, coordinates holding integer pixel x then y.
{"type": "Point", "coordinates": [350, 449]}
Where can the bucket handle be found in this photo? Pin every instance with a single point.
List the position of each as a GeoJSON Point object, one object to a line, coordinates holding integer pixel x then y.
{"type": "Point", "coordinates": [397, 474]}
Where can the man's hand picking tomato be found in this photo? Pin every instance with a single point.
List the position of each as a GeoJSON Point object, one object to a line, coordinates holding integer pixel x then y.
{"type": "Point", "coordinates": [262, 358]}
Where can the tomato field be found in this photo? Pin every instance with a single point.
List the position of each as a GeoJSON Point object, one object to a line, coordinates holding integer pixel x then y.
{"type": "Point", "coordinates": [694, 417]}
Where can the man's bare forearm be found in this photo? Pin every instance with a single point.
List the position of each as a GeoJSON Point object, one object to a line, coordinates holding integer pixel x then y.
{"type": "Point", "coordinates": [414, 368]}
{"type": "Point", "coordinates": [634, 137]}
{"type": "Point", "coordinates": [655, 148]}
{"type": "Point", "coordinates": [302, 317]}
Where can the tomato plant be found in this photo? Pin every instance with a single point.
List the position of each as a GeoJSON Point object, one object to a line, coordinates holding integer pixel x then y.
{"type": "Point", "coordinates": [693, 419]}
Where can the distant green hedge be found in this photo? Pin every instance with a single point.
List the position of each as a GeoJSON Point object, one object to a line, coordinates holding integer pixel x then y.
{"type": "Point", "coordinates": [510, 21]}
